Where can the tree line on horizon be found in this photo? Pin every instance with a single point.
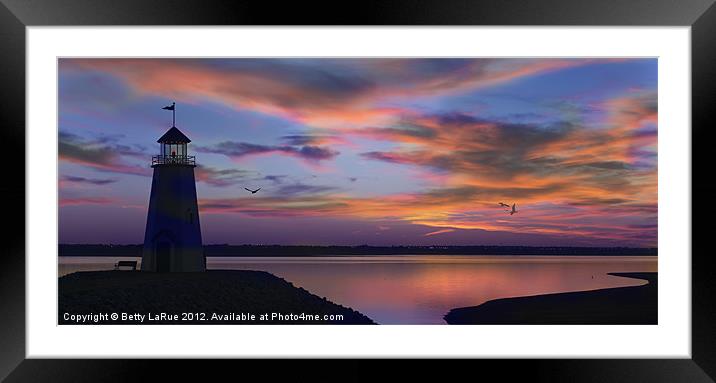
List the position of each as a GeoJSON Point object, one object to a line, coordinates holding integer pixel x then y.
{"type": "Point", "coordinates": [226, 250]}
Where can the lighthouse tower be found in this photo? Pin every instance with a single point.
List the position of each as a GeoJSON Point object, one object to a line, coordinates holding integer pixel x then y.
{"type": "Point", "coordinates": [172, 240]}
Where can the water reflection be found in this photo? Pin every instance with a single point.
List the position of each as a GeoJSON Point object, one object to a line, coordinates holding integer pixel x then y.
{"type": "Point", "coordinates": [421, 289]}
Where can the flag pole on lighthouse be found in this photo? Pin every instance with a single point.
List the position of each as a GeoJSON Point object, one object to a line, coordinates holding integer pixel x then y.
{"type": "Point", "coordinates": [172, 107]}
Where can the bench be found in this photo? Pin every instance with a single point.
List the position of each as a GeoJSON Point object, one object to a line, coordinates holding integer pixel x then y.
{"type": "Point", "coordinates": [132, 264]}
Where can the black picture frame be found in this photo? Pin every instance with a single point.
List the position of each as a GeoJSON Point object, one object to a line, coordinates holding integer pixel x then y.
{"type": "Point", "coordinates": [16, 15]}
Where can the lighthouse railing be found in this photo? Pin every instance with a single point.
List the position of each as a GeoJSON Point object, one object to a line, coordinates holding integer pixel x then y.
{"type": "Point", "coordinates": [173, 160]}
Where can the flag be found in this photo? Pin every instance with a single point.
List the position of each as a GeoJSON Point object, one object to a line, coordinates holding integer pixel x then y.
{"type": "Point", "coordinates": [170, 107]}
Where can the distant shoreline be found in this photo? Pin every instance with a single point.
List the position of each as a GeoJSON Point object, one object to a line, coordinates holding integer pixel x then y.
{"type": "Point", "coordinates": [619, 305]}
{"type": "Point", "coordinates": [76, 250]}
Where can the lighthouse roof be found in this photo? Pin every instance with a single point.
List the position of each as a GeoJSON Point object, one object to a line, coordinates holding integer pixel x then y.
{"type": "Point", "coordinates": [173, 136]}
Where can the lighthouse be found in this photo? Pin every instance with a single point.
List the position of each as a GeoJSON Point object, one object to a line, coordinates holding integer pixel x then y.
{"type": "Point", "coordinates": [172, 239]}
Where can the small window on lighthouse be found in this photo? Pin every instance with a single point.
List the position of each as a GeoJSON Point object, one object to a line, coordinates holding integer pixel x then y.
{"type": "Point", "coordinates": [168, 149]}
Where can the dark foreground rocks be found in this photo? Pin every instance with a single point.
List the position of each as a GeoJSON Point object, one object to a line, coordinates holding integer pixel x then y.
{"type": "Point", "coordinates": [211, 297]}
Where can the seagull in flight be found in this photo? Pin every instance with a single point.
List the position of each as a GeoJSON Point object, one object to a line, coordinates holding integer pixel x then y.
{"type": "Point", "coordinates": [252, 191]}
{"type": "Point", "coordinates": [513, 209]}
{"type": "Point", "coordinates": [504, 204]}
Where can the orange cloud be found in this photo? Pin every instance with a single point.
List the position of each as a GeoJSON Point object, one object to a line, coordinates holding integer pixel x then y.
{"type": "Point", "coordinates": [351, 93]}
{"type": "Point", "coordinates": [438, 232]}
{"type": "Point", "coordinates": [582, 174]}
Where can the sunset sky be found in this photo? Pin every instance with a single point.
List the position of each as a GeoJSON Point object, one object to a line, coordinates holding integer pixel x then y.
{"type": "Point", "coordinates": [368, 151]}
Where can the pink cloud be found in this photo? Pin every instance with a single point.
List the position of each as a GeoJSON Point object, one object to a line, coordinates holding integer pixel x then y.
{"type": "Point", "coordinates": [438, 232]}
{"type": "Point", "coordinates": [86, 201]}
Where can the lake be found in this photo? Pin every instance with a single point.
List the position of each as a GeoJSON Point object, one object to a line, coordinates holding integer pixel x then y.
{"type": "Point", "coordinates": [420, 289]}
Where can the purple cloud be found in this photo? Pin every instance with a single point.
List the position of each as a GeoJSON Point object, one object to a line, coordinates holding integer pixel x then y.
{"type": "Point", "coordinates": [242, 149]}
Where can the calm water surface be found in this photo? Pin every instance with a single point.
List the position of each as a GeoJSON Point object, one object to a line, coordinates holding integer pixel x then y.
{"type": "Point", "coordinates": [420, 289]}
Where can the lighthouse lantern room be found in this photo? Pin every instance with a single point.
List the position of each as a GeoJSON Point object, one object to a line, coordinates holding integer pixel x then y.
{"type": "Point", "coordinates": [173, 149]}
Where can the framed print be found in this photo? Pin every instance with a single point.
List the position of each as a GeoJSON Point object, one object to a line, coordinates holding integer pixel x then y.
{"type": "Point", "coordinates": [499, 182]}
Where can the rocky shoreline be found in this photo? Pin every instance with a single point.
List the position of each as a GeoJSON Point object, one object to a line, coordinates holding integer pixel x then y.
{"type": "Point", "coordinates": [211, 297]}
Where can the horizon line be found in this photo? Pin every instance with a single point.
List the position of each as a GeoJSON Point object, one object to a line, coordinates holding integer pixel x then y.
{"type": "Point", "coordinates": [366, 245]}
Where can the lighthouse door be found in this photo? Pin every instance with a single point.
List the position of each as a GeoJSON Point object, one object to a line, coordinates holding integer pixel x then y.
{"type": "Point", "coordinates": [163, 257]}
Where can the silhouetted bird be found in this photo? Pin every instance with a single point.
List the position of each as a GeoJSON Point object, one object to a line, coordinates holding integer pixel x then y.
{"type": "Point", "coordinates": [513, 209]}
{"type": "Point", "coordinates": [504, 204]}
{"type": "Point", "coordinates": [253, 191]}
